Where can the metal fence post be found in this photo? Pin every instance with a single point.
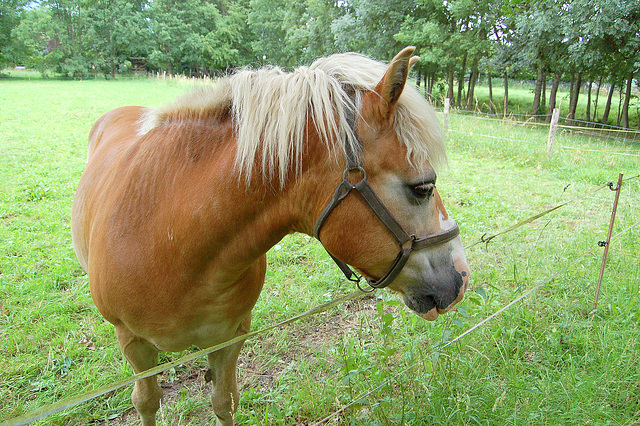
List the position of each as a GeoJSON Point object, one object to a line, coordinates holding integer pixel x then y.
{"type": "Point", "coordinates": [606, 243]}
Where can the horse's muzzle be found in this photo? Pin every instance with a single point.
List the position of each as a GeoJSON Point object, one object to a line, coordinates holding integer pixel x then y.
{"type": "Point", "coordinates": [438, 296]}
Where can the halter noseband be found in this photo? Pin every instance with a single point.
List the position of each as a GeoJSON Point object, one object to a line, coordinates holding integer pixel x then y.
{"type": "Point", "coordinates": [407, 243]}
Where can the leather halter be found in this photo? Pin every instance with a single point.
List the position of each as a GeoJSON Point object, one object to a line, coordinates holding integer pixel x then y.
{"type": "Point", "coordinates": [407, 243]}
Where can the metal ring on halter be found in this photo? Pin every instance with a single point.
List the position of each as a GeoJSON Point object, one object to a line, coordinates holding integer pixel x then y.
{"type": "Point", "coordinates": [354, 169]}
{"type": "Point", "coordinates": [369, 290]}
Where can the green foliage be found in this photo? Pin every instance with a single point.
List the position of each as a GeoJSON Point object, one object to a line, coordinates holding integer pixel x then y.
{"type": "Point", "coordinates": [118, 30]}
{"type": "Point", "coordinates": [581, 40]}
{"type": "Point", "coordinates": [266, 21]}
{"type": "Point", "coordinates": [10, 11]}
{"type": "Point", "coordinates": [369, 26]}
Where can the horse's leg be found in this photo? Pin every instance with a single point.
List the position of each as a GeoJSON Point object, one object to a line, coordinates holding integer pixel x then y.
{"type": "Point", "coordinates": [142, 356]}
{"type": "Point", "coordinates": [222, 363]}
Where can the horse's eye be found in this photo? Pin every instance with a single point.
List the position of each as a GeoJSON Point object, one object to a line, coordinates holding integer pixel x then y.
{"type": "Point", "coordinates": [423, 191]}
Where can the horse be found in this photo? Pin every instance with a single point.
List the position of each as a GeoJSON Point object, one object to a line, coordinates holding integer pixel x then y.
{"type": "Point", "coordinates": [178, 206]}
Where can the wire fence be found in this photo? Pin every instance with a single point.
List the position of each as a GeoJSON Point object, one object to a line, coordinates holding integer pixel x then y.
{"type": "Point", "coordinates": [581, 127]}
{"type": "Point", "coordinates": [628, 140]}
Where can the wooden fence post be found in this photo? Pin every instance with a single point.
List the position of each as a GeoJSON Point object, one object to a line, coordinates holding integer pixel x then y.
{"type": "Point", "coordinates": [553, 128]}
{"type": "Point", "coordinates": [447, 105]}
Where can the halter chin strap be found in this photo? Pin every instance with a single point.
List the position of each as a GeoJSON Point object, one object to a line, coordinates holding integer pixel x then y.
{"type": "Point", "coordinates": [407, 243]}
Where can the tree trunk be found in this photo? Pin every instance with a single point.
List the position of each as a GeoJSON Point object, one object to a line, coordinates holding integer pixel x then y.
{"type": "Point", "coordinates": [588, 111]}
{"type": "Point", "coordinates": [506, 94]}
{"type": "Point", "coordinates": [492, 108]}
{"type": "Point", "coordinates": [573, 104]}
{"type": "Point", "coordinates": [169, 65]}
{"type": "Point", "coordinates": [573, 85]}
{"type": "Point", "coordinates": [627, 98]}
{"type": "Point", "coordinates": [113, 59]}
{"type": "Point", "coordinates": [595, 107]}
{"type": "Point", "coordinates": [607, 107]}
{"type": "Point", "coordinates": [427, 91]}
{"type": "Point", "coordinates": [472, 83]}
{"type": "Point", "coordinates": [553, 94]}
{"type": "Point", "coordinates": [450, 81]}
{"type": "Point", "coordinates": [432, 80]}
{"type": "Point", "coordinates": [461, 80]}
{"type": "Point", "coordinates": [418, 76]}
{"type": "Point", "coordinates": [543, 97]}
{"type": "Point", "coordinates": [536, 97]}
{"type": "Point", "coordinates": [619, 107]}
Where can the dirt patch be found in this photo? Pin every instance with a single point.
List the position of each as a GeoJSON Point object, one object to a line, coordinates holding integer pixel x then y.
{"type": "Point", "coordinates": [308, 340]}
{"type": "Point", "coordinates": [8, 216]}
{"type": "Point", "coordinates": [259, 372]}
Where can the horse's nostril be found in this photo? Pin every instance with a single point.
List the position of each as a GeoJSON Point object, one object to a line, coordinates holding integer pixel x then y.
{"type": "Point", "coordinates": [430, 303]}
{"type": "Point", "coordinates": [421, 304]}
{"type": "Point", "coordinates": [463, 273]}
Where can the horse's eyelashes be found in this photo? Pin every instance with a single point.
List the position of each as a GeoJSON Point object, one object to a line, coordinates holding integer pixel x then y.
{"type": "Point", "coordinates": [423, 191]}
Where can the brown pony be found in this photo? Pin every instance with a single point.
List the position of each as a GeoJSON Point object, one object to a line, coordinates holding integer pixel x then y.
{"type": "Point", "coordinates": [178, 206]}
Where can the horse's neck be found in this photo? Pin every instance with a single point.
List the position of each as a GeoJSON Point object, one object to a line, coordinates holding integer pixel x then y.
{"type": "Point", "coordinates": [313, 188]}
{"type": "Point", "coordinates": [240, 220]}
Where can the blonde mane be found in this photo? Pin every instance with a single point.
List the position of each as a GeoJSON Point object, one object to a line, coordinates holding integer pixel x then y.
{"type": "Point", "coordinates": [270, 109]}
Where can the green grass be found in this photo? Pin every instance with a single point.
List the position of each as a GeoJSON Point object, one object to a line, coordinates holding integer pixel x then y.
{"type": "Point", "coordinates": [543, 361]}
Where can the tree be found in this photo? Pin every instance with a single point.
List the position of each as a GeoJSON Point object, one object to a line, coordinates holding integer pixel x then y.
{"type": "Point", "coordinates": [449, 35]}
{"type": "Point", "coordinates": [229, 43]}
{"type": "Point", "coordinates": [474, 21]}
{"type": "Point", "coordinates": [70, 23]}
{"type": "Point", "coordinates": [320, 38]}
{"type": "Point", "coordinates": [540, 41]}
{"type": "Point", "coordinates": [10, 16]}
{"type": "Point", "coordinates": [174, 26]}
{"type": "Point", "coordinates": [429, 28]}
{"type": "Point", "coordinates": [33, 40]}
{"type": "Point", "coordinates": [118, 30]}
{"type": "Point", "coordinates": [369, 26]}
{"type": "Point", "coordinates": [605, 39]}
{"type": "Point", "coordinates": [265, 19]}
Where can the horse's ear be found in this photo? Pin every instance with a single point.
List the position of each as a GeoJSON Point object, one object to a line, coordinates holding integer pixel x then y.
{"type": "Point", "coordinates": [392, 83]}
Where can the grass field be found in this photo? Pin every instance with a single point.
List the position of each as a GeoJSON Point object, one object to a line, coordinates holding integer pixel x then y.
{"type": "Point", "coordinates": [544, 361]}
